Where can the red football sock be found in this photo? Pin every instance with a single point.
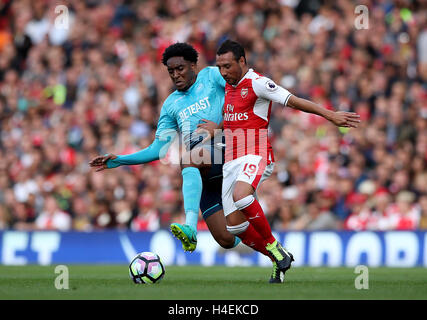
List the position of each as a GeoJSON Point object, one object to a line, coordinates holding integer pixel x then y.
{"type": "Point", "coordinates": [252, 239]}
{"type": "Point", "coordinates": [256, 217]}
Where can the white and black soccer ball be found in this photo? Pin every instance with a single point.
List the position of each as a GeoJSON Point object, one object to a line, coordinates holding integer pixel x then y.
{"type": "Point", "coordinates": [146, 267]}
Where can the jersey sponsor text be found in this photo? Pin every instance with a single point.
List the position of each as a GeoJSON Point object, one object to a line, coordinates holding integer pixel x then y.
{"type": "Point", "coordinates": [194, 108]}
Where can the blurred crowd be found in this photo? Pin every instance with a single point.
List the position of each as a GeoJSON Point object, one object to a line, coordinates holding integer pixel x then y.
{"type": "Point", "coordinates": [89, 83]}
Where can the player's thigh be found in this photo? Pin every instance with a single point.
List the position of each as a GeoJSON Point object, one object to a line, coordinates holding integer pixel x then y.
{"type": "Point", "coordinates": [210, 200]}
{"type": "Point", "coordinates": [241, 176]}
{"type": "Point", "coordinates": [253, 171]}
{"type": "Point", "coordinates": [232, 174]}
{"type": "Point", "coordinates": [229, 173]}
{"type": "Point", "coordinates": [212, 212]}
{"type": "Point", "coordinates": [242, 190]}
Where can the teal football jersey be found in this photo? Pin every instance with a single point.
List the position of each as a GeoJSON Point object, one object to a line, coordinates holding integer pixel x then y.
{"type": "Point", "coordinates": [182, 111]}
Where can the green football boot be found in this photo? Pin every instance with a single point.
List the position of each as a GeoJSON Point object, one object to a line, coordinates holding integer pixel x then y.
{"type": "Point", "coordinates": [282, 257]}
{"type": "Point", "coordinates": [186, 234]}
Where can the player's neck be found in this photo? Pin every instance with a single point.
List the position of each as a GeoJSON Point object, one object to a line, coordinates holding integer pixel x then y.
{"type": "Point", "coordinates": [244, 72]}
{"type": "Point", "coordinates": [193, 80]}
{"type": "Point", "coordinates": [190, 83]}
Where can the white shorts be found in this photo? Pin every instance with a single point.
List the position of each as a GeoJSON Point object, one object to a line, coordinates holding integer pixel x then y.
{"type": "Point", "coordinates": [251, 169]}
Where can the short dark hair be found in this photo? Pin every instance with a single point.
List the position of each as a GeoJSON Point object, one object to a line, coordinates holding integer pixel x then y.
{"type": "Point", "coordinates": [180, 49]}
{"type": "Point", "coordinates": [232, 46]}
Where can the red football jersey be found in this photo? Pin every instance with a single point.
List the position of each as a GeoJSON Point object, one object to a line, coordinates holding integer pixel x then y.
{"type": "Point", "coordinates": [247, 109]}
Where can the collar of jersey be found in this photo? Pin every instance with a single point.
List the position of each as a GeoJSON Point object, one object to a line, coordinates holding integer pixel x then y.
{"type": "Point", "coordinates": [244, 77]}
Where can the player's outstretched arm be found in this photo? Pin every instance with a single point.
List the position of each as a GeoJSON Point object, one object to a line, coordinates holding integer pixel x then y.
{"type": "Point", "coordinates": [100, 162]}
{"type": "Point", "coordinates": [155, 151]}
{"type": "Point", "coordinates": [339, 118]}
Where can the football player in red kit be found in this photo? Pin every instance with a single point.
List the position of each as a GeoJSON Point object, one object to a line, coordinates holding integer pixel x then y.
{"type": "Point", "coordinates": [249, 157]}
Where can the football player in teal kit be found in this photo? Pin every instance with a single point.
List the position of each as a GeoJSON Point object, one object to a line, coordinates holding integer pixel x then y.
{"type": "Point", "coordinates": [198, 100]}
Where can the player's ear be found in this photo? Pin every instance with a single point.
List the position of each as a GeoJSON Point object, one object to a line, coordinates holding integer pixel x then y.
{"type": "Point", "coordinates": [242, 61]}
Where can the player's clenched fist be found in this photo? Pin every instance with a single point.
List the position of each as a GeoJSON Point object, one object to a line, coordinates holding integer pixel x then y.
{"type": "Point", "coordinates": [100, 162]}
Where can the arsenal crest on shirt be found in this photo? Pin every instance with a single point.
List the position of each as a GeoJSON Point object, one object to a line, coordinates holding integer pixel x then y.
{"type": "Point", "coordinates": [244, 92]}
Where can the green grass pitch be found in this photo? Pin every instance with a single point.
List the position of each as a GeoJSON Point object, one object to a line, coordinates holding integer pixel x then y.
{"type": "Point", "coordinates": [102, 282]}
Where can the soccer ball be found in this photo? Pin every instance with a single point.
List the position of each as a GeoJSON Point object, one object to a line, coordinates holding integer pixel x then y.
{"type": "Point", "coordinates": [146, 267]}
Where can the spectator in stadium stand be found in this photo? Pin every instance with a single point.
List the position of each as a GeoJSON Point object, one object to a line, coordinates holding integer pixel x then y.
{"type": "Point", "coordinates": [52, 218]}
{"type": "Point", "coordinates": [379, 217]}
{"type": "Point", "coordinates": [341, 208]}
{"type": "Point", "coordinates": [103, 215]}
{"type": "Point", "coordinates": [316, 214]}
{"type": "Point", "coordinates": [324, 219]}
{"type": "Point", "coordinates": [66, 96]}
{"type": "Point", "coordinates": [359, 213]}
{"type": "Point", "coordinates": [286, 218]}
{"type": "Point", "coordinates": [148, 218]}
{"type": "Point", "coordinates": [22, 218]}
{"type": "Point", "coordinates": [80, 213]}
{"type": "Point", "coordinates": [423, 208]}
{"type": "Point", "coordinates": [405, 213]}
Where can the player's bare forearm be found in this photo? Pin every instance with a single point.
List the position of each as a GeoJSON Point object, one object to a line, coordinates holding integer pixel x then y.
{"type": "Point", "coordinates": [339, 118]}
{"type": "Point", "coordinates": [308, 106]}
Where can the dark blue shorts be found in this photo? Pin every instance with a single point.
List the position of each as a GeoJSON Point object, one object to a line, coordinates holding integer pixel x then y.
{"type": "Point", "coordinates": [211, 199]}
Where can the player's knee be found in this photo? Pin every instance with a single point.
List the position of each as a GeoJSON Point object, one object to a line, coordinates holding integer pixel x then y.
{"type": "Point", "coordinates": [238, 230]}
{"type": "Point", "coordinates": [243, 201]}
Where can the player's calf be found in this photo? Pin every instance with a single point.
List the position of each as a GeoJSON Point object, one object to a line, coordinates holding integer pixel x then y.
{"type": "Point", "coordinates": [217, 224]}
{"type": "Point", "coordinates": [252, 239]}
{"type": "Point", "coordinates": [226, 240]}
{"type": "Point", "coordinates": [256, 217]}
{"type": "Point", "coordinates": [246, 232]}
